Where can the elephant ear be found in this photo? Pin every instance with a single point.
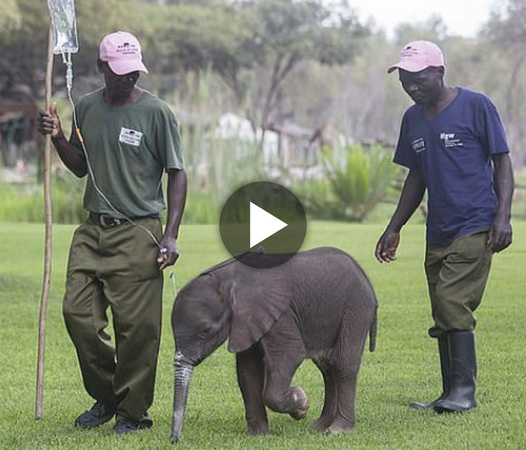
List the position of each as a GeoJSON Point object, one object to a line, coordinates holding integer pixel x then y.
{"type": "Point", "coordinates": [258, 297]}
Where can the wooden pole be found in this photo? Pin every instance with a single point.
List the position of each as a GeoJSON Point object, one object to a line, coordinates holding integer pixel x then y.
{"type": "Point", "coordinates": [48, 238]}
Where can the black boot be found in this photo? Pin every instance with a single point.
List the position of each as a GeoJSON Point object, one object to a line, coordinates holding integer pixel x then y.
{"type": "Point", "coordinates": [461, 397]}
{"type": "Point", "coordinates": [98, 414]}
{"type": "Point", "coordinates": [443, 351]}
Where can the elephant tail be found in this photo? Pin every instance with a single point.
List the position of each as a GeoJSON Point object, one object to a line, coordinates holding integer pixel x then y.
{"type": "Point", "coordinates": [373, 331]}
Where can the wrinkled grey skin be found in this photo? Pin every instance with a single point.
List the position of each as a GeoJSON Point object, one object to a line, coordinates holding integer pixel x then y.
{"type": "Point", "coordinates": [318, 305]}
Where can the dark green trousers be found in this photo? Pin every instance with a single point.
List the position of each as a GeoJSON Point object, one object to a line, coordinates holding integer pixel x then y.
{"type": "Point", "coordinates": [116, 268]}
{"type": "Point", "coordinates": [456, 278]}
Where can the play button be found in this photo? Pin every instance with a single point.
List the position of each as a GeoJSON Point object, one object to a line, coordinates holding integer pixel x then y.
{"type": "Point", "coordinates": [263, 217]}
{"type": "Point", "coordinates": [262, 224]}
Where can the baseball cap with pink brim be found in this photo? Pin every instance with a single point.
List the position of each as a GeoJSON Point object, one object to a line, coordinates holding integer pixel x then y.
{"type": "Point", "coordinates": [417, 56]}
{"type": "Point", "coordinates": [122, 51]}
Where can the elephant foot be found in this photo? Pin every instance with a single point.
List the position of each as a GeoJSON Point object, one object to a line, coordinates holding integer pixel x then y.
{"type": "Point", "coordinates": [321, 424]}
{"type": "Point", "coordinates": [300, 399]}
{"type": "Point", "coordinates": [258, 430]}
{"type": "Point", "coordinates": [340, 427]}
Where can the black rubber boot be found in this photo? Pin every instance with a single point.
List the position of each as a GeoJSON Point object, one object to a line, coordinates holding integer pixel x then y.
{"type": "Point", "coordinates": [443, 351]}
{"type": "Point", "coordinates": [461, 397]}
{"type": "Point", "coordinates": [125, 425]}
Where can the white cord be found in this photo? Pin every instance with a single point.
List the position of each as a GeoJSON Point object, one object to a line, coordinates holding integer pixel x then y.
{"type": "Point", "coordinates": [172, 276]}
{"type": "Point", "coordinates": [69, 85]}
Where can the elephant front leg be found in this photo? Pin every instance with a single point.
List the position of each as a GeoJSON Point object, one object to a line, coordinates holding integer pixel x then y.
{"type": "Point", "coordinates": [279, 395]}
{"type": "Point", "coordinates": [250, 376]}
{"type": "Point", "coordinates": [284, 351]}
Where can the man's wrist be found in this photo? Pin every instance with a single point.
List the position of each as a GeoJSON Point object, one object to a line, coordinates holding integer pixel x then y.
{"type": "Point", "coordinates": [59, 137]}
{"type": "Point", "coordinates": [169, 235]}
{"type": "Point", "coordinates": [394, 227]}
{"type": "Point", "coordinates": [503, 214]}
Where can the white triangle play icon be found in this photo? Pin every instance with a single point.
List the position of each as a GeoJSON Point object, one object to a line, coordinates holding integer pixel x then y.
{"type": "Point", "coordinates": [262, 224]}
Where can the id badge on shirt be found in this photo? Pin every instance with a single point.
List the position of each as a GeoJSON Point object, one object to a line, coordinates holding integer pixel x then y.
{"type": "Point", "coordinates": [130, 137]}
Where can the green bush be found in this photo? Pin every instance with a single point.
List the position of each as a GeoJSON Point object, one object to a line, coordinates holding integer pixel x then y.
{"type": "Point", "coordinates": [355, 180]}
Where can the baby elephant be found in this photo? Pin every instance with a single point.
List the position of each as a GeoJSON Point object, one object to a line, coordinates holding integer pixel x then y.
{"type": "Point", "coordinates": [318, 305]}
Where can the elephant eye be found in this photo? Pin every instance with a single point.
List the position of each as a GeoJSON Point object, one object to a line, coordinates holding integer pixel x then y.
{"type": "Point", "coordinates": [206, 331]}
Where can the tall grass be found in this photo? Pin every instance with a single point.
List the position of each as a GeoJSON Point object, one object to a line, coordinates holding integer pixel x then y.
{"type": "Point", "coordinates": [25, 203]}
{"type": "Point", "coordinates": [215, 166]}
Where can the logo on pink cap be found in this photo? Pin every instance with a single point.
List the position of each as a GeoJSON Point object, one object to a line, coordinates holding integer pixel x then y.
{"type": "Point", "coordinates": [417, 56]}
{"type": "Point", "coordinates": [122, 52]}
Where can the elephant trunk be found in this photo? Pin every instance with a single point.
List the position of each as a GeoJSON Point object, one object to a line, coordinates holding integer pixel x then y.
{"type": "Point", "coordinates": [183, 374]}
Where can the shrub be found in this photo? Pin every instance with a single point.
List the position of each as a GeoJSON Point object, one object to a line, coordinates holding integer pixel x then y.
{"type": "Point", "coordinates": [355, 180]}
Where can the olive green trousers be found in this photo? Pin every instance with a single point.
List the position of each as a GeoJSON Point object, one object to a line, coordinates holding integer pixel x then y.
{"type": "Point", "coordinates": [456, 278]}
{"type": "Point", "coordinates": [115, 267]}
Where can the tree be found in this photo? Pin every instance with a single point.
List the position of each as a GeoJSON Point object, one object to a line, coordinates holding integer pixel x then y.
{"type": "Point", "coordinates": [182, 38]}
{"type": "Point", "coordinates": [252, 45]}
{"type": "Point", "coordinates": [433, 29]}
{"type": "Point", "coordinates": [24, 46]}
{"type": "Point", "coordinates": [11, 16]}
{"type": "Point", "coordinates": [506, 30]}
{"type": "Point", "coordinates": [282, 34]}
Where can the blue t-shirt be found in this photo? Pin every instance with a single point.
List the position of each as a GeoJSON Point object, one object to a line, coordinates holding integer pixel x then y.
{"type": "Point", "coordinates": [452, 151]}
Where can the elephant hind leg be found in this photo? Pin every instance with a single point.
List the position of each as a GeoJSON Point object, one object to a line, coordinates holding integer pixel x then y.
{"type": "Point", "coordinates": [330, 403]}
{"type": "Point", "coordinates": [346, 361]}
{"type": "Point", "coordinates": [345, 417]}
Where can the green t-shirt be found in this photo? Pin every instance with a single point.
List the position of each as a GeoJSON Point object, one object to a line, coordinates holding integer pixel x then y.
{"type": "Point", "coordinates": [128, 147]}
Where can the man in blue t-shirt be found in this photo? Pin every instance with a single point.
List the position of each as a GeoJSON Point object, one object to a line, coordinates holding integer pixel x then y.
{"type": "Point", "coordinates": [453, 143]}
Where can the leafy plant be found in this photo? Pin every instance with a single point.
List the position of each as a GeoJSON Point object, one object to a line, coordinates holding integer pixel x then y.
{"type": "Point", "coordinates": [355, 180]}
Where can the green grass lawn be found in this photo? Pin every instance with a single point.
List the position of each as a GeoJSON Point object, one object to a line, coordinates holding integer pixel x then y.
{"type": "Point", "coordinates": [403, 368]}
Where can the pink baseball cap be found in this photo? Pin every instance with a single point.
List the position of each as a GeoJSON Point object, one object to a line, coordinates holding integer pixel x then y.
{"type": "Point", "coordinates": [417, 56]}
{"type": "Point", "coordinates": [122, 51]}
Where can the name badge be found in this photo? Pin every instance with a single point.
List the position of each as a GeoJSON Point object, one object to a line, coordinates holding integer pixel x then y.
{"type": "Point", "coordinates": [131, 137]}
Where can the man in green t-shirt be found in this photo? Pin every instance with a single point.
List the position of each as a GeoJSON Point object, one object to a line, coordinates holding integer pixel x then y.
{"type": "Point", "coordinates": [123, 138]}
